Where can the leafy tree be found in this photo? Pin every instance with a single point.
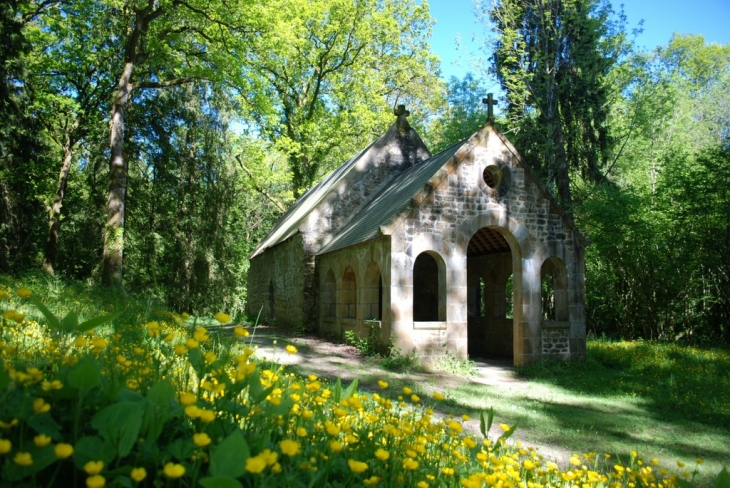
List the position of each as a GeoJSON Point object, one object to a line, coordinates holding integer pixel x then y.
{"type": "Point", "coordinates": [658, 264]}
{"type": "Point", "coordinates": [553, 59]}
{"type": "Point", "coordinates": [69, 65]}
{"type": "Point", "coordinates": [320, 88]}
{"type": "Point", "coordinates": [463, 113]}
{"type": "Point", "coordinates": [23, 149]}
{"type": "Point", "coordinates": [166, 44]}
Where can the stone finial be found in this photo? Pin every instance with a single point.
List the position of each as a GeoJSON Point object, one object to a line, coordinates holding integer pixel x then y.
{"type": "Point", "coordinates": [401, 112]}
{"type": "Point", "coordinates": [490, 102]}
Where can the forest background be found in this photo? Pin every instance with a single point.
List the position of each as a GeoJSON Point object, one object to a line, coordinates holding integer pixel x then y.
{"type": "Point", "coordinates": [149, 145]}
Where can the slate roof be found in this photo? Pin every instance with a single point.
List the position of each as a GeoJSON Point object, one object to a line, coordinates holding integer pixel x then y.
{"type": "Point", "coordinates": [288, 224]}
{"type": "Point", "coordinates": [389, 202]}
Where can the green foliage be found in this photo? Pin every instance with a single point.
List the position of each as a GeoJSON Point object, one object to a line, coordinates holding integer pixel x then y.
{"type": "Point", "coordinates": [395, 360]}
{"type": "Point", "coordinates": [553, 59]}
{"type": "Point", "coordinates": [448, 363]}
{"type": "Point", "coordinates": [658, 265]}
{"type": "Point", "coordinates": [368, 345]}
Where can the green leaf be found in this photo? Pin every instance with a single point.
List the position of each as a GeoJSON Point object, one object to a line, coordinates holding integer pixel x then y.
{"type": "Point", "coordinates": [229, 458]}
{"type": "Point", "coordinates": [70, 322]}
{"type": "Point", "coordinates": [85, 375]}
{"type": "Point", "coordinates": [482, 424]}
{"type": "Point", "coordinates": [337, 391]}
{"type": "Point", "coordinates": [96, 322]}
{"type": "Point", "coordinates": [181, 449]}
{"type": "Point", "coordinates": [92, 448]}
{"type": "Point", "coordinates": [723, 479]}
{"type": "Point", "coordinates": [119, 424]}
{"type": "Point", "coordinates": [51, 319]}
{"type": "Point", "coordinates": [161, 394]}
{"type": "Point", "coordinates": [196, 358]}
{"type": "Point", "coordinates": [490, 418]}
{"type": "Point", "coordinates": [350, 390]}
{"type": "Point", "coordinates": [45, 424]}
{"type": "Point", "coordinates": [220, 482]}
{"type": "Point", "coordinates": [681, 483]}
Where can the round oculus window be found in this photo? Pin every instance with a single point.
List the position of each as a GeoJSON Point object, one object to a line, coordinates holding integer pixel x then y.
{"type": "Point", "coordinates": [492, 176]}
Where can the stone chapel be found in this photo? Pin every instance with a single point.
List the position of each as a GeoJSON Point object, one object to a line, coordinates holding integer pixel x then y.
{"type": "Point", "coordinates": [464, 251]}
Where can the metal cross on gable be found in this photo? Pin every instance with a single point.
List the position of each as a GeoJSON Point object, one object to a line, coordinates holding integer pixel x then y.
{"type": "Point", "coordinates": [490, 102]}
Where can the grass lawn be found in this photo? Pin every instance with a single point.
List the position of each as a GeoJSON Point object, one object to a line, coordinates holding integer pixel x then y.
{"type": "Point", "coordinates": [665, 401]}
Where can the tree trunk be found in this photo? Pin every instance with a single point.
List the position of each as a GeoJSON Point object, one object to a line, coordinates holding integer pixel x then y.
{"type": "Point", "coordinates": [54, 222]}
{"type": "Point", "coordinates": [111, 274]}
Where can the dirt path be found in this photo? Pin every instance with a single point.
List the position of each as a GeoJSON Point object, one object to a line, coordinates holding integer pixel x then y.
{"type": "Point", "coordinates": [330, 361]}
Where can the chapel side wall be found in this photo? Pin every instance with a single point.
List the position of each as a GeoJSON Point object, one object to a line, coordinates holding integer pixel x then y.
{"type": "Point", "coordinates": [282, 267]}
{"type": "Point", "coordinates": [451, 208]}
{"type": "Point", "coordinates": [358, 258]}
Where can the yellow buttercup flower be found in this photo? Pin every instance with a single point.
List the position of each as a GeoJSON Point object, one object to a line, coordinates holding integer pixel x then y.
{"type": "Point", "coordinates": [94, 467]}
{"type": "Point", "coordinates": [206, 415]}
{"type": "Point", "coordinates": [138, 474]}
{"type": "Point", "coordinates": [24, 293]}
{"type": "Point", "coordinates": [290, 447]}
{"type": "Point", "coordinates": [438, 396]}
{"type": "Point", "coordinates": [200, 334]}
{"type": "Point", "coordinates": [240, 332]}
{"type": "Point", "coordinates": [410, 464]}
{"type": "Point", "coordinates": [255, 464]}
{"type": "Point", "coordinates": [40, 405]}
{"type": "Point", "coordinates": [382, 454]}
{"type": "Point", "coordinates": [187, 398]}
{"type": "Point", "coordinates": [201, 439]}
{"type": "Point", "coordinates": [96, 481]}
{"type": "Point", "coordinates": [63, 450]}
{"type": "Point", "coordinates": [181, 350]}
{"type": "Point", "coordinates": [528, 464]}
{"type": "Point", "coordinates": [41, 440]}
{"type": "Point", "coordinates": [356, 467]}
{"type": "Point", "coordinates": [301, 432]}
{"type": "Point", "coordinates": [23, 459]}
{"type": "Point", "coordinates": [382, 384]}
{"type": "Point", "coordinates": [373, 480]}
{"type": "Point", "coordinates": [223, 318]}
{"type": "Point", "coordinates": [173, 470]}
{"type": "Point", "coordinates": [407, 390]}
{"type": "Point", "coordinates": [291, 349]}
{"type": "Point", "coordinates": [191, 343]}
{"type": "Point", "coordinates": [5, 446]}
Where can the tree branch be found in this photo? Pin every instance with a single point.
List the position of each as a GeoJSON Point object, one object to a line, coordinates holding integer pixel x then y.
{"type": "Point", "coordinates": [260, 189]}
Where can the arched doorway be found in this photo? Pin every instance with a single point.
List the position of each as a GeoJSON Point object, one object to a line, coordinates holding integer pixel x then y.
{"type": "Point", "coordinates": [488, 272]}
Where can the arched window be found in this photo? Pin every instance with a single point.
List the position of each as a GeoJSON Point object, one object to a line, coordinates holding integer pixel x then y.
{"type": "Point", "coordinates": [329, 293]}
{"type": "Point", "coordinates": [373, 293]}
{"type": "Point", "coordinates": [348, 305]}
{"type": "Point", "coordinates": [429, 291]}
{"type": "Point", "coordinates": [554, 294]}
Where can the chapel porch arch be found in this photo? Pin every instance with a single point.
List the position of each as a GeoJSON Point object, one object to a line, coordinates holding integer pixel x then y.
{"type": "Point", "coordinates": [490, 325]}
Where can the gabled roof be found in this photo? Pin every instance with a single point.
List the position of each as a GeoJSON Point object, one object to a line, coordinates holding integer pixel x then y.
{"type": "Point", "coordinates": [288, 224]}
{"type": "Point", "coordinates": [396, 196]}
{"type": "Point", "coordinates": [291, 222]}
{"type": "Point", "coordinates": [389, 202]}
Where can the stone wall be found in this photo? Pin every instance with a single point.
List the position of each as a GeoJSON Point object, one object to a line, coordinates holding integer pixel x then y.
{"type": "Point", "coordinates": [357, 271]}
{"type": "Point", "coordinates": [451, 208]}
{"type": "Point", "coordinates": [276, 284]}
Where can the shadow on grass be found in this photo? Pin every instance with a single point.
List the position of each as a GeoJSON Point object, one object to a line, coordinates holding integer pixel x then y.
{"type": "Point", "coordinates": [678, 384]}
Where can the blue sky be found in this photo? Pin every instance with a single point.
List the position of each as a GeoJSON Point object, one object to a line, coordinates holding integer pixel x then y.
{"type": "Point", "coordinates": [711, 18]}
